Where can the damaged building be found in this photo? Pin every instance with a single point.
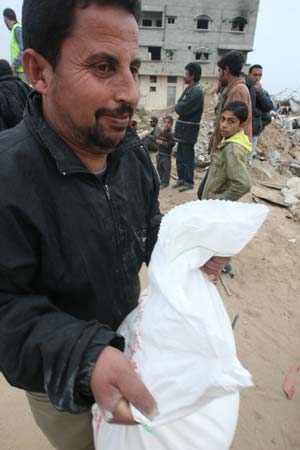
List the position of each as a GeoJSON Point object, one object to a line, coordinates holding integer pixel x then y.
{"type": "Point", "coordinates": [174, 33]}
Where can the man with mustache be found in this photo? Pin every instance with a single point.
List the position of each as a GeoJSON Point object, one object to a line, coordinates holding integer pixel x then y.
{"type": "Point", "coordinates": [79, 215]}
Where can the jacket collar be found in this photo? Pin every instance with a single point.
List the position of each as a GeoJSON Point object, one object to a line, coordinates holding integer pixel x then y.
{"type": "Point", "coordinates": [233, 84]}
{"type": "Point", "coordinates": [66, 160]}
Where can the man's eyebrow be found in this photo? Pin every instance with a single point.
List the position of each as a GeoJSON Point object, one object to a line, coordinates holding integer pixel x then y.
{"type": "Point", "coordinates": [96, 57]}
{"type": "Point", "coordinates": [103, 56]}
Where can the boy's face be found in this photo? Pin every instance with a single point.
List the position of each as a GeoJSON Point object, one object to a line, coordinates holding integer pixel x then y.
{"type": "Point", "coordinates": [229, 124]}
{"type": "Point", "coordinates": [167, 125]}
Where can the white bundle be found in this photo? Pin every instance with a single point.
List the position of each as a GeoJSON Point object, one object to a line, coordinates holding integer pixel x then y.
{"type": "Point", "coordinates": [179, 338]}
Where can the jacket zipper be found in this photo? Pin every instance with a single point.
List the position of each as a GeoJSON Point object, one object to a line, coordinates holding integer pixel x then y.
{"type": "Point", "coordinates": [118, 253]}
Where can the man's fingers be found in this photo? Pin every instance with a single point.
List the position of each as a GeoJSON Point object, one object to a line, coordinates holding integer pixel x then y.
{"type": "Point", "coordinates": [122, 414]}
{"type": "Point", "coordinates": [137, 394]}
{"type": "Point", "coordinates": [113, 379]}
{"type": "Point", "coordinates": [214, 266]}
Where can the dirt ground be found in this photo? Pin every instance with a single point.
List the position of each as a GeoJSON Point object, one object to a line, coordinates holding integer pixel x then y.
{"type": "Point", "coordinates": [265, 294]}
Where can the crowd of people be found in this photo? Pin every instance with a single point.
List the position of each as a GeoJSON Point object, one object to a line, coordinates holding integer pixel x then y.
{"type": "Point", "coordinates": [79, 209]}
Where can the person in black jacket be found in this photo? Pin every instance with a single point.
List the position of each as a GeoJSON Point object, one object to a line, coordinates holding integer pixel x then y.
{"type": "Point", "coordinates": [189, 108]}
{"type": "Point", "coordinates": [262, 106]}
{"type": "Point", "coordinates": [13, 94]}
{"type": "Point", "coordinates": [79, 214]}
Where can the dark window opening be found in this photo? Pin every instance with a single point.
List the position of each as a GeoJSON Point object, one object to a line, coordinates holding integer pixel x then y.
{"type": "Point", "coordinates": [202, 56]}
{"type": "Point", "coordinates": [238, 24]}
{"type": "Point", "coordinates": [172, 79]}
{"type": "Point", "coordinates": [153, 79]}
{"type": "Point", "coordinates": [189, 47]}
{"type": "Point", "coordinates": [152, 88]}
{"type": "Point", "coordinates": [159, 23]}
{"type": "Point", "coordinates": [147, 23]}
{"type": "Point", "coordinates": [155, 53]}
{"type": "Point", "coordinates": [202, 24]}
{"type": "Point", "coordinates": [171, 20]}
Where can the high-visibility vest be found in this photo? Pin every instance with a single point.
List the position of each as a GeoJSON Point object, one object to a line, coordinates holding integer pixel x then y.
{"type": "Point", "coordinates": [14, 47]}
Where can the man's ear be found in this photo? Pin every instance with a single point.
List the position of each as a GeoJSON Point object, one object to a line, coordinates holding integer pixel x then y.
{"type": "Point", "coordinates": [38, 70]}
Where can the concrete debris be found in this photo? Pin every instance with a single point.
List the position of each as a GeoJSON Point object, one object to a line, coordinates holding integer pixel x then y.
{"type": "Point", "coordinates": [291, 193]}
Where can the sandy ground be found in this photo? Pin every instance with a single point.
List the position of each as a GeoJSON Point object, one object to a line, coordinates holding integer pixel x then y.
{"type": "Point", "coordinates": [265, 294]}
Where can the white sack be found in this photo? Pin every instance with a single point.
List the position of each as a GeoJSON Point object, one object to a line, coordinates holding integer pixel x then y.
{"type": "Point", "coordinates": [179, 338]}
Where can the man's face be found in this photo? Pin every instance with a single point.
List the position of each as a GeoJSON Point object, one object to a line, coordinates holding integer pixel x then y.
{"type": "Point", "coordinates": [229, 124]}
{"type": "Point", "coordinates": [222, 76]}
{"type": "Point", "coordinates": [153, 123]}
{"type": "Point", "coordinates": [93, 90]}
{"type": "Point", "coordinates": [7, 22]}
{"type": "Point", "coordinates": [256, 75]}
{"type": "Point", "coordinates": [188, 78]}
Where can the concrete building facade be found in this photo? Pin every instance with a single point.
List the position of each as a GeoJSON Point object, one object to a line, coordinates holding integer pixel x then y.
{"type": "Point", "coordinates": [175, 32]}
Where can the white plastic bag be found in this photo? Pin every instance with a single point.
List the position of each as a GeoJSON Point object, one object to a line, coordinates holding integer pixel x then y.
{"type": "Point", "coordinates": [179, 338]}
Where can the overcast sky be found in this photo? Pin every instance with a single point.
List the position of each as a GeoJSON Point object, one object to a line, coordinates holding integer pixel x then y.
{"type": "Point", "coordinates": [275, 47]}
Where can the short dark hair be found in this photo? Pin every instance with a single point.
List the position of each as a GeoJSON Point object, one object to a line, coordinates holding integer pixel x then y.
{"type": "Point", "coordinates": [255, 66]}
{"type": "Point", "coordinates": [5, 68]}
{"type": "Point", "coordinates": [194, 70]}
{"type": "Point", "coordinates": [10, 14]}
{"type": "Point", "coordinates": [240, 110]}
{"type": "Point", "coordinates": [47, 23]}
{"type": "Point", "coordinates": [234, 60]}
{"type": "Point", "coordinates": [169, 118]}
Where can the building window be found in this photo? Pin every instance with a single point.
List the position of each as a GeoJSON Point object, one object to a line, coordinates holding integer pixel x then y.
{"type": "Point", "coordinates": [151, 19]}
{"type": "Point", "coordinates": [153, 79]}
{"type": "Point", "coordinates": [147, 23]}
{"type": "Point", "coordinates": [202, 56]}
{"type": "Point", "coordinates": [171, 20]}
{"type": "Point", "coordinates": [152, 88]}
{"type": "Point", "coordinates": [172, 80]}
{"type": "Point", "coordinates": [203, 22]}
{"type": "Point", "coordinates": [238, 24]}
{"type": "Point", "coordinates": [154, 53]}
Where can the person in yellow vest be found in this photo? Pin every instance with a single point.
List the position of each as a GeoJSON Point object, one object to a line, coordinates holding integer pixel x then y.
{"type": "Point", "coordinates": [16, 42]}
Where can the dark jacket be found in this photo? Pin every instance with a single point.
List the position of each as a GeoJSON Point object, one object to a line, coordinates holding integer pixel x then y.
{"type": "Point", "coordinates": [189, 108]}
{"type": "Point", "coordinates": [13, 94]}
{"type": "Point", "coordinates": [71, 250]}
{"type": "Point", "coordinates": [261, 106]}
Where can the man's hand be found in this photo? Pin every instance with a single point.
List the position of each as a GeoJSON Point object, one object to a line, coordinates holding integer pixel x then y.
{"type": "Point", "coordinates": [214, 266]}
{"type": "Point", "coordinates": [258, 86]}
{"type": "Point", "coordinates": [114, 384]}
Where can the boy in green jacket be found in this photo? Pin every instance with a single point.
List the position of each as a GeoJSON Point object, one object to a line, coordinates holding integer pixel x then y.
{"type": "Point", "coordinates": [228, 177]}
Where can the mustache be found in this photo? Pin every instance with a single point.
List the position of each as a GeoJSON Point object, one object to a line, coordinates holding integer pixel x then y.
{"type": "Point", "coordinates": [120, 111]}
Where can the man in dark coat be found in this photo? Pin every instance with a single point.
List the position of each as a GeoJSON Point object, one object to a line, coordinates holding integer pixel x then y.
{"type": "Point", "coordinates": [189, 108]}
{"type": "Point", "coordinates": [13, 94]}
{"type": "Point", "coordinates": [79, 214]}
{"type": "Point", "coordinates": [261, 116]}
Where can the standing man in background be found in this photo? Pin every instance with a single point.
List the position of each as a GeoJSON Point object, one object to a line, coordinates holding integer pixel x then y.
{"type": "Point", "coordinates": [189, 108]}
{"type": "Point", "coordinates": [229, 68]}
{"type": "Point", "coordinates": [16, 42]}
{"type": "Point", "coordinates": [261, 109]}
